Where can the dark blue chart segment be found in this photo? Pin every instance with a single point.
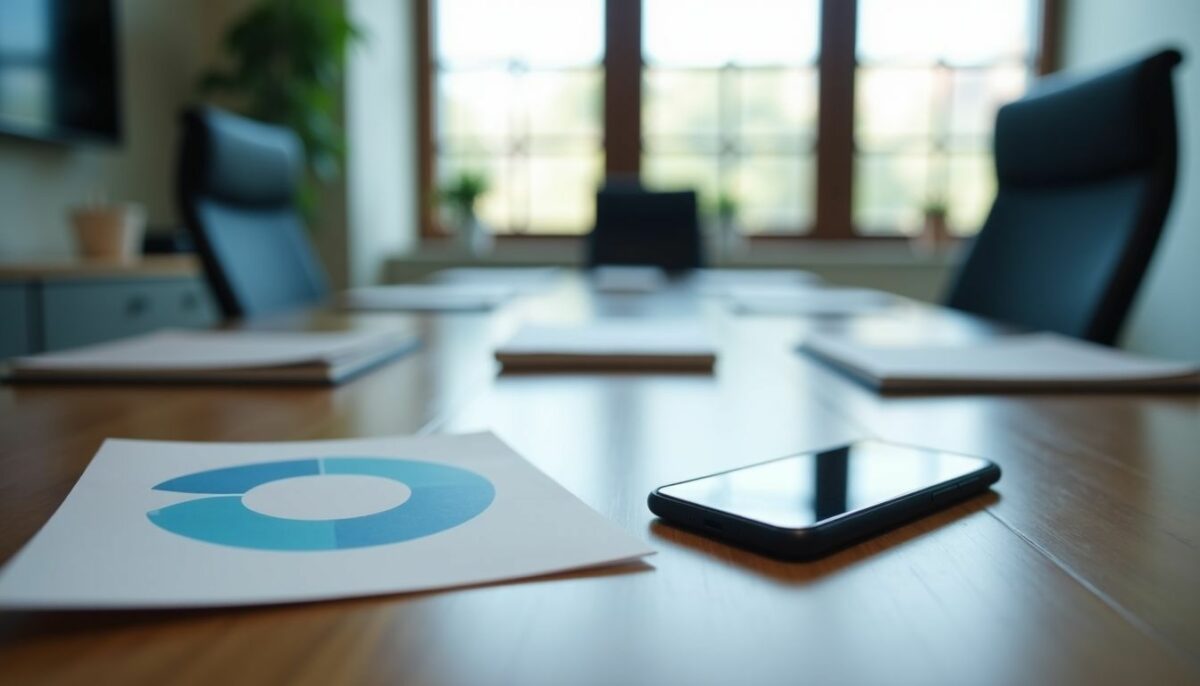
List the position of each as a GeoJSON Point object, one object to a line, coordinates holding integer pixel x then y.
{"type": "Point", "coordinates": [442, 497]}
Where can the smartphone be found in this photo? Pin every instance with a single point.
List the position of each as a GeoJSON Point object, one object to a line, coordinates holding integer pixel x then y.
{"type": "Point", "coordinates": [804, 506]}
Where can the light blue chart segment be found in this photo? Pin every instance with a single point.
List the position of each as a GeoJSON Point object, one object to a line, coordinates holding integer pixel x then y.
{"type": "Point", "coordinates": [442, 497]}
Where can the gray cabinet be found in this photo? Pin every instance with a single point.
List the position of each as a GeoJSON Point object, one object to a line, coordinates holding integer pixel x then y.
{"type": "Point", "coordinates": [78, 313]}
{"type": "Point", "coordinates": [55, 306]}
{"type": "Point", "coordinates": [16, 320]}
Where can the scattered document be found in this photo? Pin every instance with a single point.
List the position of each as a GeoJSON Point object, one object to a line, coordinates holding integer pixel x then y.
{"type": "Point", "coordinates": [628, 279]}
{"type": "Point", "coordinates": [221, 356]}
{"type": "Point", "coordinates": [158, 524]}
{"type": "Point", "coordinates": [724, 282]}
{"type": "Point", "coordinates": [1041, 361]}
{"type": "Point", "coordinates": [808, 301]}
{"type": "Point", "coordinates": [427, 297]}
{"type": "Point", "coordinates": [522, 280]}
{"type": "Point", "coordinates": [611, 344]}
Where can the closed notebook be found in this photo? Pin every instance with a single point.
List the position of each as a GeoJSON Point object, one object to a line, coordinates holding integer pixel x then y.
{"type": "Point", "coordinates": [1035, 362]}
{"type": "Point", "coordinates": [610, 345]}
{"type": "Point", "coordinates": [427, 297]}
{"type": "Point", "coordinates": [804, 300]}
{"type": "Point", "coordinates": [221, 357]}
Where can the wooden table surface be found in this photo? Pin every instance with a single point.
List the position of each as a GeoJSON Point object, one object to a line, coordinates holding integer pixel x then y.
{"type": "Point", "coordinates": [1082, 566]}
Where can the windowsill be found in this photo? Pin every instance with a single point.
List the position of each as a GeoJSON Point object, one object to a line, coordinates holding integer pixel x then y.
{"type": "Point", "coordinates": [891, 265]}
{"type": "Point", "coordinates": [568, 252]}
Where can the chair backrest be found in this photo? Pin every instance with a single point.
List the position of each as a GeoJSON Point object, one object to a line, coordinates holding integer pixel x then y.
{"type": "Point", "coordinates": [237, 183]}
{"type": "Point", "coordinates": [1085, 171]}
{"type": "Point", "coordinates": [639, 227]}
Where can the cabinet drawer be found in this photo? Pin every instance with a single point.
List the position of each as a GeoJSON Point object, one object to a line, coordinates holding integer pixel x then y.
{"type": "Point", "coordinates": [16, 327]}
{"type": "Point", "coordinates": [78, 313]}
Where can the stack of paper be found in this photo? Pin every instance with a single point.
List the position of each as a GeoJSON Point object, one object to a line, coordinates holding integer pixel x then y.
{"type": "Point", "coordinates": [221, 356]}
{"type": "Point", "coordinates": [1041, 361]}
{"type": "Point", "coordinates": [159, 524]}
{"type": "Point", "coordinates": [608, 345]}
{"type": "Point", "coordinates": [808, 301]}
{"type": "Point", "coordinates": [427, 297]}
{"type": "Point", "coordinates": [628, 279]}
{"type": "Point", "coordinates": [522, 280]}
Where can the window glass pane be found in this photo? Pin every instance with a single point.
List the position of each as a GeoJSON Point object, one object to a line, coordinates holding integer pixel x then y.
{"type": "Point", "coordinates": [971, 187]}
{"type": "Point", "coordinates": [893, 106]}
{"type": "Point", "coordinates": [768, 195]}
{"type": "Point", "coordinates": [681, 102]}
{"type": "Point", "coordinates": [958, 32]}
{"type": "Point", "coordinates": [681, 145]}
{"type": "Point", "coordinates": [975, 96]}
{"type": "Point", "coordinates": [563, 103]}
{"type": "Point", "coordinates": [562, 193]}
{"type": "Point", "coordinates": [684, 172]}
{"type": "Point", "coordinates": [712, 33]}
{"type": "Point", "coordinates": [476, 107]}
{"type": "Point", "coordinates": [538, 33]}
{"type": "Point", "coordinates": [890, 193]}
{"type": "Point", "coordinates": [779, 102]}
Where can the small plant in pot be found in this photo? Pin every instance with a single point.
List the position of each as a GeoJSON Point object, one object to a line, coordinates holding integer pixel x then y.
{"type": "Point", "coordinates": [459, 196]}
{"type": "Point", "coordinates": [727, 230]}
{"type": "Point", "coordinates": [934, 234]}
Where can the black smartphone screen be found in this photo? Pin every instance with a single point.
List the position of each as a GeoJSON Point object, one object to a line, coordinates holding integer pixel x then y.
{"type": "Point", "coordinates": [802, 491]}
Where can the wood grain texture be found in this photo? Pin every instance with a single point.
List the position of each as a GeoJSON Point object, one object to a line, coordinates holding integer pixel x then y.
{"type": "Point", "coordinates": [1081, 567]}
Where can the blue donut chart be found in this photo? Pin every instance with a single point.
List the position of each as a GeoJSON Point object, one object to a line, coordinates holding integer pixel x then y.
{"type": "Point", "coordinates": [442, 497]}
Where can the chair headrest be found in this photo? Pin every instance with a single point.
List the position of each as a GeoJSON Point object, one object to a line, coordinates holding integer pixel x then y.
{"type": "Point", "coordinates": [1069, 130]}
{"type": "Point", "coordinates": [238, 160]}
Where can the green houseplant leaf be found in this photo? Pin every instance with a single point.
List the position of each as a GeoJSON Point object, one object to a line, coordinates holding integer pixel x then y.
{"type": "Point", "coordinates": [285, 64]}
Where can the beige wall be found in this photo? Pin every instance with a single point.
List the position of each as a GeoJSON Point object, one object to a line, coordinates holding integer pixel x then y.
{"type": "Point", "coordinates": [1166, 318]}
{"type": "Point", "coordinates": [381, 166]}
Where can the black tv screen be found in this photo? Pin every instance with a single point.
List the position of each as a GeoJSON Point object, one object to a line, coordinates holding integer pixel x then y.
{"type": "Point", "coordinates": [59, 70]}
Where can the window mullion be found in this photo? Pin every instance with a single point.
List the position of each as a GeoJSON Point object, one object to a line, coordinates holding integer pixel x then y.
{"type": "Point", "coordinates": [835, 119]}
{"type": "Point", "coordinates": [622, 87]}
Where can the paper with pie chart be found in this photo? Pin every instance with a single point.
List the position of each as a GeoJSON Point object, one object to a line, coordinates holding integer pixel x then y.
{"type": "Point", "coordinates": [154, 524]}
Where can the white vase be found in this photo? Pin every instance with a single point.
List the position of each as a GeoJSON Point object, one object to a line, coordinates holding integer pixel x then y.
{"type": "Point", "coordinates": [475, 237]}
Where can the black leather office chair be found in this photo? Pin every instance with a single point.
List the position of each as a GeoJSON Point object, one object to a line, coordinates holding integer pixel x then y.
{"type": "Point", "coordinates": [237, 183]}
{"type": "Point", "coordinates": [1085, 170]}
{"type": "Point", "coordinates": [635, 226]}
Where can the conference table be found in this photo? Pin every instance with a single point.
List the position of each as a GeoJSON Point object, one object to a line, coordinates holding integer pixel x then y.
{"type": "Point", "coordinates": [1082, 565]}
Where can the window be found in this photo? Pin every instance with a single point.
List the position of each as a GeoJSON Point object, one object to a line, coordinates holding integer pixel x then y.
{"type": "Point", "coordinates": [931, 76]}
{"type": "Point", "coordinates": [519, 88]}
{"type": "Point", "coordinates": [827, 118]}
{"type": "Point", "coordinates": [735, 117]}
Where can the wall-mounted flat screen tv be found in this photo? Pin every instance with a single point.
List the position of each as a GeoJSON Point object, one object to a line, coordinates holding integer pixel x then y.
{"type": "Point", "coordinates": [59, 71]}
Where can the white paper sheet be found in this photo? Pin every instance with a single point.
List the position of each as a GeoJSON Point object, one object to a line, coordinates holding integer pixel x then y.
{"type": "Point", "coordinates": [725, 282]}
{"type": "Point", "coordinates": [522, 280]}
{"type": "Point", "coordinates": [428, 297]}
{"type": "Point", "coordinates": [628, 279]}
{"type": "Point", "coordinates": [807, 300]}
{"type": "Point", "coordinates": [210, 350]}
{"type": "Point", "coordinates": [120, 542]}
{"type": "Point", "coordinates": [1028, 359]}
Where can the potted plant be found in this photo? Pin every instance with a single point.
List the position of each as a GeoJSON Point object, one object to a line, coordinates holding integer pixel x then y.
{"type": "Point", "coordinates": [285, 64]}
{"type": "Point", "coordinates": [460, 195]}
{"type": "Point", "coordinates": [728, 236]}
{"type": "Point", "coordinates": [934, 234]}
